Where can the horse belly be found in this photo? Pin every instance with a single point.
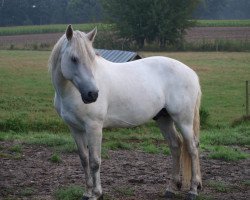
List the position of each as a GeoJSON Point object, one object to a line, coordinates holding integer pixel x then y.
{"type": "Point", "coordinates": [133, 113]}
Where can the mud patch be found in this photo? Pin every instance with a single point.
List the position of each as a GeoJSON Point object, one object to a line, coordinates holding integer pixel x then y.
{"type": "Point", "coordinates": [126, 175]}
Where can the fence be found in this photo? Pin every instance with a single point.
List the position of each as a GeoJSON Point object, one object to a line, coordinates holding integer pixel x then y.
{"type": "Point", "coordinates": [247, 98]}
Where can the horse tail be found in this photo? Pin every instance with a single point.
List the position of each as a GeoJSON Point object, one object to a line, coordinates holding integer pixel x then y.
{"type": "Point", "coordinates": [185, 156]}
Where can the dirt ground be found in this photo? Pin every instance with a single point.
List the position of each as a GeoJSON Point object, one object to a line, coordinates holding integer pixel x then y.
{"type": "Point", "coordinates": [143, 174]}
{"type": "Point", "coordinates": [193, 34]}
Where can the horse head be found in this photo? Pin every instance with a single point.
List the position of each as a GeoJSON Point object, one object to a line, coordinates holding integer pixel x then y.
{"type": "Point", "coordinates": [77, 63]}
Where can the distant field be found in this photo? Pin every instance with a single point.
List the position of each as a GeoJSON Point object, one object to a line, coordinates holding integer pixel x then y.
{"type": "Point", "coordinates": [56, 28]}
{"type": "Point", "coordinates": [53, 28]}
{"type": "Point", "coordinates": [223, 23]}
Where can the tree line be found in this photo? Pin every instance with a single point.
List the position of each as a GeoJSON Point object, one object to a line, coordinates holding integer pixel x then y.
{"type": "Point", "coordinates": [37, 12]}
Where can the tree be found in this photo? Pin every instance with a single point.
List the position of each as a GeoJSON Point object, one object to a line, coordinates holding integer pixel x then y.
{"type": "Point", "coordinates": [84, 10]}
{"type": "Point", "coordinates": [211, 9]}
{"type": "Point", "coordinates": [151, 20]}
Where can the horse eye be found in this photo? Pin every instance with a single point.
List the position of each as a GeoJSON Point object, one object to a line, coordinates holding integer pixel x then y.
{"type": "Point", "coordinates": [74, 59]}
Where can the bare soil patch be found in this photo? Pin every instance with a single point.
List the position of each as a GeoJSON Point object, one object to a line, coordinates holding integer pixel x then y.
{"type": "Point", "coordinates": [144, 174]}
{"type": "Point", "coordinates": [212, 33]}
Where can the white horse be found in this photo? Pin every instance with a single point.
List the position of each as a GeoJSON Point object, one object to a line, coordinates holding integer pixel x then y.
{"type": "Point", "coordinates": [92, 93]}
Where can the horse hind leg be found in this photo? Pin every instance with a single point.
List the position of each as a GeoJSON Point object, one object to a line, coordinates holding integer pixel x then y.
{"type": "Point", "coordinates": [190, 153]}
{"type": "Point", "coordinates": [169, 132]}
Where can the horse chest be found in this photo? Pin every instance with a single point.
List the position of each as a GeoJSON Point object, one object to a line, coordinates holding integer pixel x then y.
{"type": "Point", "coordinates": [70, 114]}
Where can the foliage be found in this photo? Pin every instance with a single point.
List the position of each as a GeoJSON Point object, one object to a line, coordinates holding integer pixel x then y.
{"type": "Point", "coordinates": [223, 9]}
{"type": "Point", "coordinates": [28, 12]}
{"type": "Point", "coordinates": [164, 21]}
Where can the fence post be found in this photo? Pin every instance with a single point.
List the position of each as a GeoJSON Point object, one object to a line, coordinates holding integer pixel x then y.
{"type": "Point", "coordinates": [247, 99]}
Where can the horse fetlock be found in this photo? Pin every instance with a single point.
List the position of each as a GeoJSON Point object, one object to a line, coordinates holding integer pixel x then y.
{"type": "Point", "coordinates": [191, 196]}
{"type": "Point", "coordinates": [101, 197]}
{"type": "Point", "coordinates": [178, 185]}
{"type": "Point", "coordinates": [85, 198]}
{"type": "Point", "coordinates": [169, 194]}
{"type": "Point", "coordinates": [97, 192]}
{"type": "Point", "coordinates": [196, 184]}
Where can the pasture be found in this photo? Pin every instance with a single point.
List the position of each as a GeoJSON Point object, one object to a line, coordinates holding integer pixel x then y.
{"type": "Point", "coordinates": [58, 28]}
{"type": "Point", "coordinates": [38, 157]}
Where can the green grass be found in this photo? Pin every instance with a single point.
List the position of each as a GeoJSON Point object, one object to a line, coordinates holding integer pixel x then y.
{"type": "Point", "coordinates": [69, 193]}
{"type": "Point", "coordinates": [124, 191]}
{"type": "Point", "coordinates": [55, 158]}
{"type": "Point", "coordinates": [220, 186]}
{"type": "Point", "coordinates": [55, 28]}
{"type": "Point", "coordinates": [223, 23]}
{"type": "Point", "coordinates": [27, 114]}
{"type": "Point", "coordinates": [28, 191]}
{"type": "Point", "coordinates": [226, 153]}
{"type": "Point", "coordinates": [52, 28]}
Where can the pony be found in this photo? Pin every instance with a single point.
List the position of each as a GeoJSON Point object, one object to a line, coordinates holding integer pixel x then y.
{"type": "Point", "coordinates": [92, 93]}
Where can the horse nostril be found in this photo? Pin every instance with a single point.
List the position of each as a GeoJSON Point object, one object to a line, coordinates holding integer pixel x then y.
{"type": "Point", "coordinates": [93, 95]}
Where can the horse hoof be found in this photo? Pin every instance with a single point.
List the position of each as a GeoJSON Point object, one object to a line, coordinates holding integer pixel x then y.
{"type": "Point", "coordinates": [85, 198]}
{"type": "Point", "coordinates": [101, 197]}
{"type": "Point", "coordinates": [169, 195]}
{"type": "Point", "coordinates": [199, 186]}
{"type": "Point", "coordinates": [191, 196]}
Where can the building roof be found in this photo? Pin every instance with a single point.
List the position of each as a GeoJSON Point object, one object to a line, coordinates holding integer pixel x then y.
{"type": "Point", "coordinates": [118, 56]}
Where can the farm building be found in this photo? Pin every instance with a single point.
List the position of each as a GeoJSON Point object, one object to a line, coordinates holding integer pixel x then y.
{"type": "Point", "coordinates": [118, 56]}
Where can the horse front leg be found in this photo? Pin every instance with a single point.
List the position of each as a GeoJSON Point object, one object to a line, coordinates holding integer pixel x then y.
{"type": "Point", "coordinates": [94, 134]}
{"type": "Point", "coordinates": [81, 141]}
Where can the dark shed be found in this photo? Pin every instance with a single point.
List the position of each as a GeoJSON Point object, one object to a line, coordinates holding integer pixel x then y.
{"type": "Point", "coordinates": [118, 56]}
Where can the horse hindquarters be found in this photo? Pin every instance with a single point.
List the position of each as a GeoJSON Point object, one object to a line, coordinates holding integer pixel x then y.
{"type": "Point", "coordinates": [186, 153]}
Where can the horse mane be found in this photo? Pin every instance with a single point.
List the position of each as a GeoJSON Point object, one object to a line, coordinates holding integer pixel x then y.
{"type": "Point", "coordinates": [81, 46]}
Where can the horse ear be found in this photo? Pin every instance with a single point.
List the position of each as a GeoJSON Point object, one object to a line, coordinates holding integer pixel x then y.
{"type": "Point", "coordinates": [69, 32]}
{"type": "Point", "coordinates": [91, 35]}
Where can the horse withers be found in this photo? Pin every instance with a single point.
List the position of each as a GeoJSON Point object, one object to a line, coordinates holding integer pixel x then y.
{"type": "Point", "coordinates": [92, 93]}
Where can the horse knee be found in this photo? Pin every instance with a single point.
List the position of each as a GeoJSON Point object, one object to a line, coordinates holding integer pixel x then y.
{"type": "Point", "coordinates": [84, 160]}
{"type": "Point", "coordinates": [95, 164]}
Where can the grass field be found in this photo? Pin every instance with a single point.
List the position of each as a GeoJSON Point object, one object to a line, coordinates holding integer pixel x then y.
{"type": "Point", "coordinates": [223, 23]}
{"type": "Point", "coordinates": [27, 93]}
{"type": "Point", "coordinates": [28, 119]}
{"type": "Point", "coordinates": [56, 28]}
{"type": "Point", "coordinates": [52, 28]}
{"type": "Point", "coordinates": [26, 102]}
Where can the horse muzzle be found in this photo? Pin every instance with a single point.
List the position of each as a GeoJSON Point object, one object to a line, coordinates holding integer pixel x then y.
{"type": "Point", "coordinates": [90, 97]}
